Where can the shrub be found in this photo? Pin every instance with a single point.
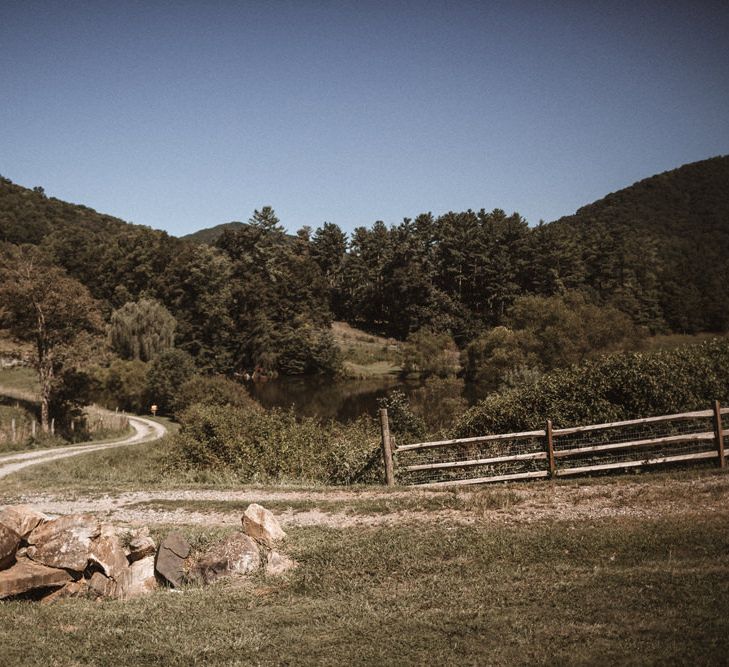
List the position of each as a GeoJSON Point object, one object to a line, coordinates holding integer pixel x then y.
{"type": "Point", "coordinates": [212, 390]}
{"type": "Point", "coordinates": [500, 356]}
{"type": "Point", "coordinates": [168, 372]}
{"type": "Point", "coordinates": [613, 388]}
{"type": "Point", "coordinates": [404, 423]}
{"type": "Point", "coordinates": [427, 353]}
{"type": "Point", "coordinates": [272, 445]}
{"type": "Point", "coordinates": [122, 385]}
{"type": "Point", "coordinates": [439, 402]}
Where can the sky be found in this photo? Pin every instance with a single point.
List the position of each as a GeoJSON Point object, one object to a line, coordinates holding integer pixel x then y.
{"type": "Point", "coordinates": [184, 115]}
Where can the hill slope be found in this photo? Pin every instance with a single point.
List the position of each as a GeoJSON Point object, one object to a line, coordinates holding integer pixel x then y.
{"type": "Point", "coordinates": [660, 248]}
{"type": "Point", "coordinates": [210, 235]}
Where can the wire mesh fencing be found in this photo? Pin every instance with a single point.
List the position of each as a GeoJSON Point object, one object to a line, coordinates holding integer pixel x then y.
{"type": "Point", "coordinates": [667, 439]}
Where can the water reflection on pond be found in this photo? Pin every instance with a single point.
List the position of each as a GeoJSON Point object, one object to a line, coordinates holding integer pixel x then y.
{"type": "Point", "coordinates": [345, 400]}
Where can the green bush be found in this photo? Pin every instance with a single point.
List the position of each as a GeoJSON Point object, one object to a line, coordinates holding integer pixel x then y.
{"type": "Point", "coordinates": [404, 423]}
{"type": "Point", "coordinates": [167, 373]}
{"type": "Point", "coordinates": [122, 385]}
{"type": "Point", "coordinates": [212, 390]}
{"type": "Point", "coordinates": [544, 333]}
{"type": "Point", "coordinates": [439, 402]}
{"type": "Point", "coordinates": [613, 388]}
{"type": "Point", "coordinates": [427, 353]}
{"type": "Point", "coordinates": [273, 446]}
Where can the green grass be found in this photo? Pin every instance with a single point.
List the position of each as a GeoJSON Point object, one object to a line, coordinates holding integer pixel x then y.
{"type": "Point", "coordinates": [20, 380]}
{"type": "Point", "coordinates": [620, 590]}
{"type": "Point", "coordinates": [147, 466]}
{"type": "Point", "coordinates": [672, 341]}
{"type": "Point", "coordinates": [614, 591]}
{"type": "Point", "coordinates": [366, 355]}
{"type": "Point", "coordinates": [113, 469]}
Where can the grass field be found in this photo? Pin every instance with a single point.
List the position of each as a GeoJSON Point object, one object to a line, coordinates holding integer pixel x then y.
{"type": "Point", "coordinates": [618, 570]}
{"type": "Point", "coordinates": [20, 380]}
{"type": "Point", "coordinates": [604, 592]}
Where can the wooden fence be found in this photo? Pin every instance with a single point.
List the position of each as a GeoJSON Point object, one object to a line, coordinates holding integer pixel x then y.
{"type": "Point", "coordinates": [558, 452]}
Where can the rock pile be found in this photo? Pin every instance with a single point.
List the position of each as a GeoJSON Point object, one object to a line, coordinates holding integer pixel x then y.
{"type": "Point", "coordinates": [78, 555]}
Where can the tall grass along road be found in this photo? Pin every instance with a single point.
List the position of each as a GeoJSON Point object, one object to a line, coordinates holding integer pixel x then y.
{"type": "Point", "coordinates": [145, 430]}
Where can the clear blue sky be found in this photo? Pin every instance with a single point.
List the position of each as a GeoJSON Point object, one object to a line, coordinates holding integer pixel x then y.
{"type": "Point", "coordinates": [182, 115]}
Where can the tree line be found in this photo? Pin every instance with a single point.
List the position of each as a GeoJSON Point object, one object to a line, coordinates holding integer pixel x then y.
{"type": "Point", "coordinates": [653, 256]}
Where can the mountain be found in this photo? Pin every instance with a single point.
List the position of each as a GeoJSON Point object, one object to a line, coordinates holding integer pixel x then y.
{"type": "Point", "coordinates": [659, 249]}
{"type": "Point", "coordinates": [210, 235]}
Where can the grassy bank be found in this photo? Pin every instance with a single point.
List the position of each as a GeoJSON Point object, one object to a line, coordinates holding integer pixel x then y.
{"type": "Point", "coordinates": [366, 355]}
{"type": "Point", "coordinates": [602, 592]}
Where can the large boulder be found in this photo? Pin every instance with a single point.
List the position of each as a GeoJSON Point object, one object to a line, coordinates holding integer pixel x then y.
{"type": "Point", "coordinates": [108, 553]}
{"type": "Point", "coordinates": [9, 543]}
{"type": "Point", "coordinates": [137, 580]}
{"type": "Point", "coordinates": [236, 555]}
{"type": "Point", "coordinates": [261, 525]}
{"type": "Point", "coordinates": [26, 576]}
{"type": "Point", "coordinates": [170, 563]}
{"type": "Point", "coordinates": [21, 518]}
{"type": "Point", "coordinates": [64, 542]}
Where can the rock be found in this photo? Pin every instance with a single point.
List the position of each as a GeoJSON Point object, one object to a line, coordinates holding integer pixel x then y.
{"type": "Point", "coordinates": [137, 580]}
{"type": "Point", "coordinates": [261, 525]}
{"type": "Point", "coordinates": [278, 563]}
{"type": "Point", "coordinates": [101, 586]}
{"type": "Point", "coordinates": [108, 553]}
{"type": "Point", "coordinates": [236, 555]}
{"type": "Point", "coordinates": [64, 542]}
{"type": "Point", "coordinates": [141, 546]}
{"type": "Point", "coordinates": [171, 559]}
{"type": "Point", "coordinates": [26, 576]}
{"type": "Point", "coordinates": [9, 543]}
{"type": "Point", "coordinates": [73, 589]}
{"type": "Point", "coordinates": [23, 519]}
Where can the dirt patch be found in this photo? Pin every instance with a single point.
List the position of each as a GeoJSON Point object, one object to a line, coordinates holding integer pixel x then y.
{"type": "Point", "coordinates": [649, 496]}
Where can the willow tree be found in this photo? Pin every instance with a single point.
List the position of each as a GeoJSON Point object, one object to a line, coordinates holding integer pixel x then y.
{"type": "Point", "coordinates": [41, 304]}
{"type": "Point", "coordinates": [142, 330]}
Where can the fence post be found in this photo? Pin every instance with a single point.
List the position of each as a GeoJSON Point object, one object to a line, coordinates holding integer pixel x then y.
{"type": "Point", "coordinates": [386, 448]}
{"type": "Point", "coordinates": [32, 428]}
{"type": "Point", "coordinates": [12, 429]}
{"type": "Point", "coordinates": [550, 450]}
{"type": "Point", "coordinates": [53, 426]}
{"type": "Point", "coordinates": [718, 434]}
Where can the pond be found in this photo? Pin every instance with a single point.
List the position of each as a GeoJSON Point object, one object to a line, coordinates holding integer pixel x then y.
{"type": "Point", "coordinates": [345, 400]}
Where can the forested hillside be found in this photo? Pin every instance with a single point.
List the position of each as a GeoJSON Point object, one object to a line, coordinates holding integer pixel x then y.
{"type": "Point", "coordinates": [211, 234]}
{"type": "Point", "coordinates": [657, 251]}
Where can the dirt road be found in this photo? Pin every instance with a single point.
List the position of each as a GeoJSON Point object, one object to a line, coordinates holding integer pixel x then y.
{"type": "Point", "coordinates": [640, 497]}
{"type": "Point", "coordinates": [145, 430]}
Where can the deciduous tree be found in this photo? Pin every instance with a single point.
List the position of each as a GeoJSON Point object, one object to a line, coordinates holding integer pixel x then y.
{"type": "Point", "coordinates": [40, 303]}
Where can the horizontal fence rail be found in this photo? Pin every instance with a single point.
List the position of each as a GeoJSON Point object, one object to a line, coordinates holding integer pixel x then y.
{"type": "Point", "coordinates": [559, 452]}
